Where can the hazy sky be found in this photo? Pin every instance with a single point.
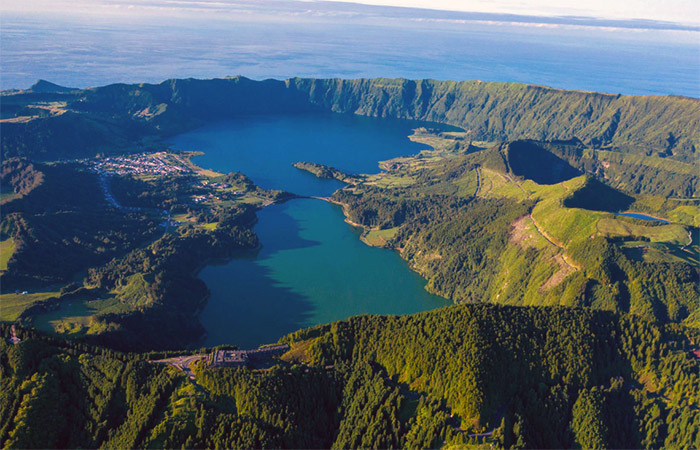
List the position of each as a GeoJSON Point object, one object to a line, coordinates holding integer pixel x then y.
{"type": "Point", "coordinates": [682, 11]}
{"type": "Point", "coordinates": [629, 48]}
{"type": "Point", "coordinates": [679, 11]}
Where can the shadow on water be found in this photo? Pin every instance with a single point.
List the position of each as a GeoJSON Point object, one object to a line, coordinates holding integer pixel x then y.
{"type": "Point", "coordinates": [311, 267]}
{"type": "Point", "coordinates": [259, 309]}
{"type": "Point", "coordinates": [279, 230]}
{"type": "Point", "coordinates": [251, 306]}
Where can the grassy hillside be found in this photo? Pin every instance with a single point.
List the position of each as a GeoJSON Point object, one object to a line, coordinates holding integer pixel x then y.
{"type": "Point", "coordinates": [12, 305]}
{"type": "Point", "coordinates": [510, 111]}
{"type": "Point", "coordinates": [479, 228]}
{"type": "Point", "coordinates": [7, 248]}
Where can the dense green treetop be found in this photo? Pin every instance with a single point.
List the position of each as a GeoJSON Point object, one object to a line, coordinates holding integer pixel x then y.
{"type": "Point", "coordinates": [462, 375]}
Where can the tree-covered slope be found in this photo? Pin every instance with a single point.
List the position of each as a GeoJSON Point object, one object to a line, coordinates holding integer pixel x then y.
{"type": "Point", "coordinates": [61, 223]}
{"type": "Point", "coordinates": [509, 111]}
{"type": "Point", "coordinates": [642, 125]}
{"type": "Point", "coordinates": [70, 135]}
{"type": "Point", "coordinates": [99, 257]}
{"type": "Point", "coordinates": [527, 372]}
{"type": "Point", "coordinates": [462, 375]}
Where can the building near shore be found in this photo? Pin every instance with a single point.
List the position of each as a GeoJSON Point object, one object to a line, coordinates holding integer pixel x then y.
{"type": "Point", "coordinates": [228, 358]}
{"type": "Point", "coordinates": [242, 358]}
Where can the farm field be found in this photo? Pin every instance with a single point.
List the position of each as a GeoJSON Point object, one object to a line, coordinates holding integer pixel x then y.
{"type": "Point", "coordinates": [77, 317]}
{"type": "Point", "coordinates": [7, 248]}
{"type": "Point", "coordinates": [12, 305]}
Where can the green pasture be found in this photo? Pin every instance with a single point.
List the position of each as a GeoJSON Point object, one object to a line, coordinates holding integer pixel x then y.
{"type": "Point", "coordinates": [12, 305]}
{"type": "Point", "coordinates": [7, 248]}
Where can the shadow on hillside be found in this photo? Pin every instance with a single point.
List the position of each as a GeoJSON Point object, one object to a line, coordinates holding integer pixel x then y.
{"type": "Point", "coordinates": [597, 196]}
{"type": "Point", "coordinates": [531, 161]}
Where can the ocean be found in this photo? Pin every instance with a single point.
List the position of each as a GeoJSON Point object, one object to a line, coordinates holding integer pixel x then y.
{"type": "Point", "coordinates": [82, 50]}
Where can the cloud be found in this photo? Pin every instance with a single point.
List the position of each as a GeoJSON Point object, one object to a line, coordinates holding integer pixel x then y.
{"type": "Point", "coordinates": [677, 11]}
{"type": "Point", "coordinates": [629, 14]}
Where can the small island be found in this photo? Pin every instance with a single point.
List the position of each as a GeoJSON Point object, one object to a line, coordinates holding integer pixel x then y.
{"type": "Point", "coordinates": [327, 172]}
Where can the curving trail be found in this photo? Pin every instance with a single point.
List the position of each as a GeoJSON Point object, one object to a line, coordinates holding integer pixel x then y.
{"type": "Point", "coordinates": [551, 241]}
{"type": "Point", "coordinates": [477, 169]}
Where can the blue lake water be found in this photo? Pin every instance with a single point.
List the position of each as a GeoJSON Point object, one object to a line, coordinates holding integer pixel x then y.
{"type": "Point", "coordinates": [642, 217]}
{"type": "Point", "coordinates": [312, 267]}
{"type": "Point", "coordinates": [265, 147]}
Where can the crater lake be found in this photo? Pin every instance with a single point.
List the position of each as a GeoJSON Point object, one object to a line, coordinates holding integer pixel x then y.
{"type": "Point", "coordinates": [312, 267]}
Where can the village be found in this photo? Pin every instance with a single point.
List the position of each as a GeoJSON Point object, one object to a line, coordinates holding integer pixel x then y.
{"type": "Point", "coordinates": [156, 164]}
{"type": "Point", "coordinates": [160, 163]}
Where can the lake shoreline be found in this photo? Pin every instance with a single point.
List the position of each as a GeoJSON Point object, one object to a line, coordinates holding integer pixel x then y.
{"type": "Point", "coordinates": [632, 214]}
{"type": "Point", "coordinates": [311, 267]}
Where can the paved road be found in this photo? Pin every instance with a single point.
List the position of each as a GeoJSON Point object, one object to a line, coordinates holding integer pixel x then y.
{"type": "Point", "coordinates": [182, 363]}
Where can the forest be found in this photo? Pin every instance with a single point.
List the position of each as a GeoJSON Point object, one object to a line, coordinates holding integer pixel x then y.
{"type": "Point", "coordinates": [62, 224]}
{"type": "Point", "coordinates": [134, 260]}
{"type": "Point", "coordinates": [585, 379]}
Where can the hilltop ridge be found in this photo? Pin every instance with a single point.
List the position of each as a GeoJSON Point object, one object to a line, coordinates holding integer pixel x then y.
{"type": "Point", "coordinates": [43, 86]}
{"type": "Point", "coordinates": [642, 125]}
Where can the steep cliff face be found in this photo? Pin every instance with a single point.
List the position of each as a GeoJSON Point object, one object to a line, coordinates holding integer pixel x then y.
{"type": "Point", "coordinates": [490, 111]}
{"type": "Point", "coordinates": [508, 111]}
{"type": "Point", "coordinates": [645, 125]}
{"type": "Point", "coordinates": [195, 99]}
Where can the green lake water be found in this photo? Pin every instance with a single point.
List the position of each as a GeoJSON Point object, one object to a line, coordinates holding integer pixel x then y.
{"type": "Point", "coordinates": [312, 267]}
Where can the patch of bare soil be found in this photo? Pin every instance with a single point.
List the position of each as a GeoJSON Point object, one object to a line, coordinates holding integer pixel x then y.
{"type": "Point", "coordinates": [565, 269]}
{"type": "Point", "coordinates": [519, 233]}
